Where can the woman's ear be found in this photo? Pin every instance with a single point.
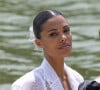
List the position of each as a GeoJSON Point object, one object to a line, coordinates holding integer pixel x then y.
{"type": "Point", "coordinates": [38, 43]}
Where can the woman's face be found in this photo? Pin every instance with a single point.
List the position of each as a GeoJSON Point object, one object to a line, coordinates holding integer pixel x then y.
{"type": "Point", "coordinates": [56, 37]}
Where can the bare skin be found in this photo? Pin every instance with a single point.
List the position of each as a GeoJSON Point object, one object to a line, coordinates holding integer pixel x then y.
{"type": "Point", "coordinates": [56, 41]}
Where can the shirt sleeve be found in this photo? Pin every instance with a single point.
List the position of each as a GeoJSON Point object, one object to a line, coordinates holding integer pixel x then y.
{"type": "Point", "coordinates": [15, 87]}
{"type": "Point", "coordinates": [37, 84]}
{"type": "Point", "coordinates": [28, 86]}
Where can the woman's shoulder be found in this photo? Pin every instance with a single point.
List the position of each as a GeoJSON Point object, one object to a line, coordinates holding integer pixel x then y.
{"type": "Point", "coordinates": [29, 81]}
{"type": "Point", "coordinates": [78, 76]}
{"type": "Point", "coordinates": [75, 74]}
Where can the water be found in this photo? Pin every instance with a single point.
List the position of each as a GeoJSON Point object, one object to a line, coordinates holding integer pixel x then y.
{"type": "Point", "coordinates": [18, 55]}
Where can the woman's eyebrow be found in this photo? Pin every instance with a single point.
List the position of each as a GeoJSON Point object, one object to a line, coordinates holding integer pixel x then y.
{"type": "Point", "coordinates": [66, 26]}
{"type": "Point", "coordinates": [52, 30]}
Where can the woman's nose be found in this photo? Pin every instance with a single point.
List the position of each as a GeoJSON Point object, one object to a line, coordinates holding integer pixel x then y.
{"type": "Point", "coordinates": [63, 37]}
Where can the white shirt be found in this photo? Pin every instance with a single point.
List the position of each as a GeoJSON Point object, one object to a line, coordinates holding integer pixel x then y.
{"type": "Point", "coordinates": [45, 78]}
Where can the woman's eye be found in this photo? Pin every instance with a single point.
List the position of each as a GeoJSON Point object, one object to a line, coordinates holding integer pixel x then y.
{"type": "Point", "coordinates": [53, 34]}
{"type": "Point", "coordinates": [66, 30]}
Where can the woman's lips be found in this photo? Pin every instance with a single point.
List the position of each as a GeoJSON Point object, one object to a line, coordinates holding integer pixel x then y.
{"type": "Point", "coordinates": [66, 45]}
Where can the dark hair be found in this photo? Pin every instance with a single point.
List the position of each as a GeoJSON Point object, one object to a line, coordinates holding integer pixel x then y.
{"type": "Point", "coordinates": [41, 18]}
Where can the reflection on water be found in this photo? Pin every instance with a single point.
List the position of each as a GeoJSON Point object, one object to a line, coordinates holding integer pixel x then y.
{"type": "Point", "coordinates": [18, 56]}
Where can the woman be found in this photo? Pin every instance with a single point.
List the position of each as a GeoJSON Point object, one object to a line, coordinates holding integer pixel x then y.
{"type": "Point", "coordinates": [53, 35]}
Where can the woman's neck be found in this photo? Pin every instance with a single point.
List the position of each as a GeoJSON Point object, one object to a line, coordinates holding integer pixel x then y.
{"type": "Point", "coordinates": [57, 64]}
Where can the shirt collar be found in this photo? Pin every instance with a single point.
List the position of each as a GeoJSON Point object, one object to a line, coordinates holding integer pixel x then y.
{"type": "Point", "coordinates": [53, 80]}
{"type": "Point", "coordinates": [50, 75]}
